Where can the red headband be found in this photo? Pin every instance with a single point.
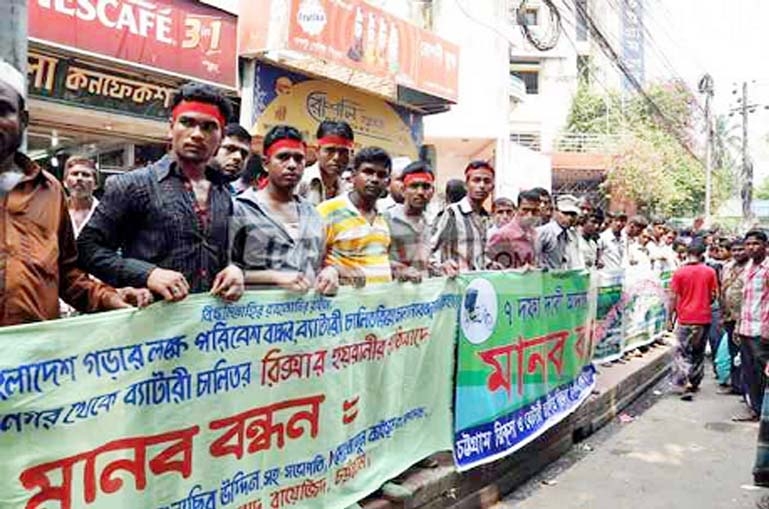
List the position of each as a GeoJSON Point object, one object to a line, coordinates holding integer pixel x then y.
{"type": "Point", "coordinates": [473, 167]}
{"type": "Point", "coordinates": [285, 143]}
{"type": "Point", "coordinates": [417, 177]}
{"type": "Point", "coordinates": [334, 140]}
{"type": "Point", "coordinates": [198, 107]}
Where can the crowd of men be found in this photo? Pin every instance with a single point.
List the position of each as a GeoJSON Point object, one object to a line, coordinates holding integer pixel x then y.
{"type": "Point", "coordinates": [212, 217]}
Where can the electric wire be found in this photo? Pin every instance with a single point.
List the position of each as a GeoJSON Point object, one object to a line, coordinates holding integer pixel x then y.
{"type": "Point", "coordinates": [614, 57]}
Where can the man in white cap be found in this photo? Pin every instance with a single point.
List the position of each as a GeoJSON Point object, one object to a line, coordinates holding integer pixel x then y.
{"type": "Point", "coordinates": [38, 254]}
{"type": "Point", "coordinates": [556, 244]}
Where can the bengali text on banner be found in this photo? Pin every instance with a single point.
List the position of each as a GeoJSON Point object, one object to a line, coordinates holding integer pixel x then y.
{"type": "Point", "coordinates": [524, 359]}
{"type": "Point", "coordinates": [271, 402]}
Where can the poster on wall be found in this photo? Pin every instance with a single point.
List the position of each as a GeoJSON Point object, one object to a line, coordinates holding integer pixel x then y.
{"type": "Point", "coordinates": [285, 97]}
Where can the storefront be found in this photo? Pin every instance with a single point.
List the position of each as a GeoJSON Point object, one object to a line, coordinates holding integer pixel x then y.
{"type": "Point", "coordinates": [102, 73]}
{"type": "Point", "coordinates": [343, 61]}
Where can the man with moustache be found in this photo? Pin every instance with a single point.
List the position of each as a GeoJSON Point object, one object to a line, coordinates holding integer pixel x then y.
{"type": "Point", "coordinates": [38, 254]}
{"type": "Point", "coordinates": [278, 237]}
{"type": "Point", "coordinates": [409, 229]}
{"type": "Point", "coordinates": [458, 243]}
{"type": "Point", "coordinates": [232, 156]}
{"type": "Point", "coordinates": [165, 227]}
{"type": "Point", "coordinates": [80, 182]}
{"type": "Point", "coordinates": [357, 236]}
{"type": "Point", "coordinates": [322, 181]}
{"type": "Point", "coordinates": [513, 245]}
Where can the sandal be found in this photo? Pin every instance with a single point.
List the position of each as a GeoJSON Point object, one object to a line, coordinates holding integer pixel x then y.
{"type": "Point", "coordinates": [745, 418]}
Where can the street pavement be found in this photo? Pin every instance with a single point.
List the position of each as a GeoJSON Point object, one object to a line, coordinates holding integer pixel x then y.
{"type": "Point", "coordinates": [671, 455]}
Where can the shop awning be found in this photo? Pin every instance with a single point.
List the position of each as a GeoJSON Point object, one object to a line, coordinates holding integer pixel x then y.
{"type": "Point", "coordinates": [356, 44]}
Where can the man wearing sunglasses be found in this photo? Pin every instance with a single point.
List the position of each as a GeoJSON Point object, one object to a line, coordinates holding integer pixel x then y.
{"type": "Point", "coordinates": [278, 237]}
{"type": "Point", "coordinates": [556, 245]}
{"type": "Point", "coordinates": [322, 181]}
{"type": "Point", "coordinates": [165, 226]}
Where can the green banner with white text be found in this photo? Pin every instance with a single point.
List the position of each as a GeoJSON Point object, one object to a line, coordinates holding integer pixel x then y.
{"type": "Point", "coordinates": [275, 401]}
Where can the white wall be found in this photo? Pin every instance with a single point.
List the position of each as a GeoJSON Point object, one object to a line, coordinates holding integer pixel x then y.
{"type": "Point", "coordinates": [481, 109]}
{"type": "Point", "coordinates": [530, 169]}
{"type": "Point", "coordinates": [547, 111]}
{"type": "Point", "coordinates": [230, 6]}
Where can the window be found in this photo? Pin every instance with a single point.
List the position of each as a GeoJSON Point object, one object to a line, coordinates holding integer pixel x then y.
{"type": "Point", "coordinates": [581, 20]}
{"type": "Point", "coordinates": [530, 79]}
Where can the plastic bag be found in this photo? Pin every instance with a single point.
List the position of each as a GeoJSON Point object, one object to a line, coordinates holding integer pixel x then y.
{"type": "Point", "coordinates": [723, 361]}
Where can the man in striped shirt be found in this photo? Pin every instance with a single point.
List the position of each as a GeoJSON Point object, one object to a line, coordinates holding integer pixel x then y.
{"type": "Point", "coordinates": [753, 324]}
{"type": "Point", "coordinates": [459, 241]}
{"type": "Point", "coordinates": [357, 236]}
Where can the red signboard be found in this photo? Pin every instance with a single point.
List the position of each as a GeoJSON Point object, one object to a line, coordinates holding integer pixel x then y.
{"type": "Point", "coordinates": [359, 36]}
{"type": "Point", "coordinates": [179, 37]}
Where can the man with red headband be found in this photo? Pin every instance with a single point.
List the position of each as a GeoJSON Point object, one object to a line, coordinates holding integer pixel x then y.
{"type": "Point", "coordinates": [409, 229]}
{"type": "Point", "coordinates": [279, 238]}
{"type": "Point", "coordinates": [170, 220]}
{"type": "Point", "coordinates": [459, 240]}
{"type": "Point", "coordinates": [322, 181]}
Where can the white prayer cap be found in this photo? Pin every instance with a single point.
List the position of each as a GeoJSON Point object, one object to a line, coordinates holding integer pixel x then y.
{"type": "Point", "coordinates": [12, 77]}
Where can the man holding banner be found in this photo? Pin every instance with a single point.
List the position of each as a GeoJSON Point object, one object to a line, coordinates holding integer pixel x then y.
{"type": "Point", "coordinates": [458, 243]}
{"type": "Point", "coordinates": [409, 228]}
{"type": "Point", "coordinates": [357, 236]}
{"type": "Point", "coordinates": [170, 220]}
{"type": "Point", "coordinates": [39, 255]}
{"type": "Point", "coordinates": [278, 238]}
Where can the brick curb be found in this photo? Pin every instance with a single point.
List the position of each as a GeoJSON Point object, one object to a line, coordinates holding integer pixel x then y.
{"type": "Point", "coordinates": [617, 386]}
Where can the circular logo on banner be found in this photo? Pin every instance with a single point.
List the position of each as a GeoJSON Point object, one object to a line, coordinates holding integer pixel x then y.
{"type": "Point", "coordinates": [478, 315]}
{"type": "Point", "coordinates": [311, 17]}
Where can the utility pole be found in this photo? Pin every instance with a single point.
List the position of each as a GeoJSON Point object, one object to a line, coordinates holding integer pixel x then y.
{"type": "Point", "coordinates": [13, 33]}
{"type": "Point", "coordinates": [13, 38]}
{"type": "Point", "coordinates": [747, 167]}
{"type": "Point", "coordinates": [706, 87]}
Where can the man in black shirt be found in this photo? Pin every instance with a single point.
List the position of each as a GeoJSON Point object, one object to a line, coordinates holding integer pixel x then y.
{"type": "Point", "coordinates": [165, 226]}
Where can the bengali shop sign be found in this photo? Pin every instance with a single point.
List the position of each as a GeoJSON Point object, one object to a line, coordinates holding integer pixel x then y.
{"type": "Point", "coordinates": [285, 97]}
{"type": "Point", "coordinates": [524, 359]}
{"type": "Point", "coordinates": [66, 80]}
{"type": "Point", "coordinates": [276, 401]}
{"type": "Point", "coordinates": [179, 37]}
{"type": "Point", "coordinates": [362, 37]}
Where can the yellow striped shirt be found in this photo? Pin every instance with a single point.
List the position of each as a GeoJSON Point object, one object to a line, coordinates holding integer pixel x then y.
{"type": "Point", "coordinates": [351, 241]}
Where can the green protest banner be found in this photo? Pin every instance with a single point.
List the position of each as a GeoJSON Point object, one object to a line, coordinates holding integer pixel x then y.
{"type": "Point", "coordinates": [609, 333]}
{"type": "Point", "coordinates": [524, 359]}
{"type": "Point", "coordinates": [645, 310]}
{"type": "Point", "coordinates": [274, 401]}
